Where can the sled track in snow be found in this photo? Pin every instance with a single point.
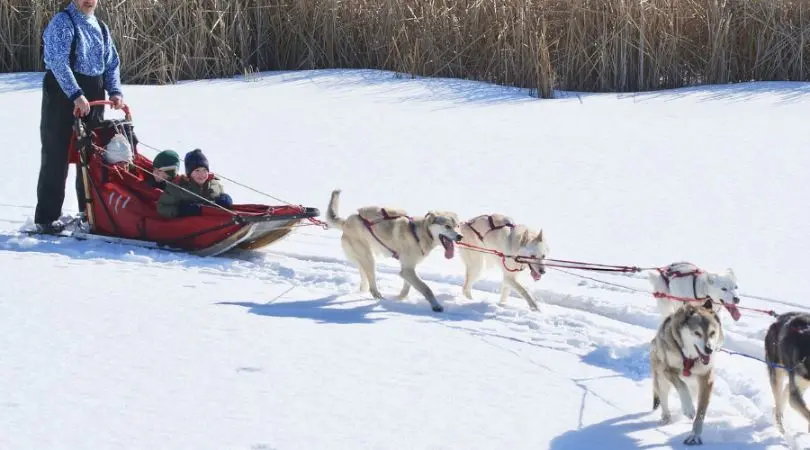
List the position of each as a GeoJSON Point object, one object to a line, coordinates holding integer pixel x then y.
{"type": "Point", "coordinates": [530, 324]}
{"type": "Point", "coordinates": [523, 326]}
{"type": "Point", "coordinates": [644, 315]}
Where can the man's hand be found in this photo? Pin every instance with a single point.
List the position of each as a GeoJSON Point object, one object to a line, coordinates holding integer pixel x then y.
{"type": "Point", "coordinates": [117, 101]}
{"type": "Point", "coordinates": [81, 106]}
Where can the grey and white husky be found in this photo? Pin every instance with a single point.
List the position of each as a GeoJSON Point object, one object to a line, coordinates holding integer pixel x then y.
{"type": "Point", "coordinates": [682, 349]}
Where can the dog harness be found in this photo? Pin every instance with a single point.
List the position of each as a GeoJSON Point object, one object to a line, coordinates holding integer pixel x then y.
{"type": "Point", "coordinates": [386, 216]}
{"type": "Point", "coordinates": [492, 226]}
{"type": "Point", "coordinates": [671, 273]}
{"type": "Point", "coordinates": [688, 363]}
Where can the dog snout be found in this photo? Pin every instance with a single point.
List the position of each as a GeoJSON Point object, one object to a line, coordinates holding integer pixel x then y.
{"type": "Point", "coordinates": [708, 349]}
{"type": "Point", "coordinates": [459, 237]}
{"type": "Point", "coordinates": [736, 300]}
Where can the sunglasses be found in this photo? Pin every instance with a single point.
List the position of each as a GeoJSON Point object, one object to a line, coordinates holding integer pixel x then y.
{"type": "Point", "coordinates": [169, 171]}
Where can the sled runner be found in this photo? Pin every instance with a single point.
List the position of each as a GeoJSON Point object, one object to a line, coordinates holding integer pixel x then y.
{"type": "Point", "coordinates": [121, 204]}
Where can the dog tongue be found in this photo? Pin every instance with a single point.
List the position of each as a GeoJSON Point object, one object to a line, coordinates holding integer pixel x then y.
{"type": "Point", "coordinates": [704, 357]}
{"type": "Point", "coordinates": [535, 274]}
{"type": "Point", "coordinates": [449, 247]}
{"type": "Point", "coordinates": [734, 311]}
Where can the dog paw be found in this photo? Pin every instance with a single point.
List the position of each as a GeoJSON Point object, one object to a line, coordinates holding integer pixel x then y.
{"type": "Point", "coordinates": [437, 308]}
{"type": "Point", "coordinates": [779, 425]}
{"type": "Point", "coordinates": [665, 419]}
{"type": "Point", "coordinates": [692, 439]}
{"type": "Point", "coordinates": [377, 295]}
{"type": "Point", "coordinates": [689, 411]}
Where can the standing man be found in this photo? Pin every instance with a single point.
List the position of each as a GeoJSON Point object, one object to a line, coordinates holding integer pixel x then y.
{"type": "Point", "coordinates": [81, 62]}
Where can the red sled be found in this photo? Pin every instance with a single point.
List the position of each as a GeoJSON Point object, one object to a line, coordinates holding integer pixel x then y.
{"type": "Point", "coordinates": [122, 206]}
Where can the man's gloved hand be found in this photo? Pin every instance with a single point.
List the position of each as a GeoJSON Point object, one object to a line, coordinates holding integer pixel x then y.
{"type": "Point", "coordinates": [189, 209]}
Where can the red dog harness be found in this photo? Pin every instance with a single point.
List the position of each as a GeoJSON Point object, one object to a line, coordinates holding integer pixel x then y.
{"type": "Point", "coordinates": [385, 216]}
{"type": "Point", "coordinates": [671, 273]}
{"type": "Point", "coordinates": [492, 226]}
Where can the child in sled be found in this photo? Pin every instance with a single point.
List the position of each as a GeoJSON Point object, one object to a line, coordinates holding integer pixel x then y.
{"type": "Point", "coordinates": [164, 167]}
{"type": "Point", "coordinates": [176, 202]}
{"type": "Point", "coordinates": [118, 153]}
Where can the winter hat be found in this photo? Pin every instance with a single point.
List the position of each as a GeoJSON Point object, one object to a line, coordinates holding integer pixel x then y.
{"type": "Point", "coordinates": [195, 159]}
{"type": "Point", "coordinates": [167, 159]}
{"type": "Point", "coordinates": [118, 150]}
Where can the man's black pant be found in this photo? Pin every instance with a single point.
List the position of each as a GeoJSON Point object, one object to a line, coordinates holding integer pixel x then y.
{"type": "Point", "coordinates": [55, 129]}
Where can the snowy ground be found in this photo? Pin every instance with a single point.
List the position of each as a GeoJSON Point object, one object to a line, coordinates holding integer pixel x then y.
{"type": "Point", "coordinates": [107, 346]}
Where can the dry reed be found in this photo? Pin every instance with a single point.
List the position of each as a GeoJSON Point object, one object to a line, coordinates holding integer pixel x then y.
{"type": "Point", "coordinates": [583, 45]}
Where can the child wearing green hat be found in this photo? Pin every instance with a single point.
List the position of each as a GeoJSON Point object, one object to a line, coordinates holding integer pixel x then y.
{"type": "Point", "coordinates": [164, 167]}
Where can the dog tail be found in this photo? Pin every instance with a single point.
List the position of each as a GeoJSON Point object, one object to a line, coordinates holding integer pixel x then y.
{"type": "Point", "coordinates": [332, 218]}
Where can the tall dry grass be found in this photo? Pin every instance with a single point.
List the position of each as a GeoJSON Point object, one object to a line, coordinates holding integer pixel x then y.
{"type": "Point", "coordinates": [584, 45]}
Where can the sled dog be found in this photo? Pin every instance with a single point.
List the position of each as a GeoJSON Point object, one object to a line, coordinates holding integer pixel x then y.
{"type": "Point", "coordinates": [686, 280]}
{"type": "Point", "coordinates": [682, 350]}
{"type": "Point", "coordinates": [499, 232]}
{"type": "Point", "coordinates": [787, 354]}
{"type": "Point", "coordinates": [375, 230]}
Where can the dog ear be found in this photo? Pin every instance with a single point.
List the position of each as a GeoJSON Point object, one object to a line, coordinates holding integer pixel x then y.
{"type": "Point", "coordinates": [430, 217]}
{"type": "Point", "coordinates": [730, 274]}
{"type": "Point", "coordinates": [689, 310]}
{"type": "Point", "coordinates": [540, 236]}
{"type": "Point", "coordinates": [708, 304]}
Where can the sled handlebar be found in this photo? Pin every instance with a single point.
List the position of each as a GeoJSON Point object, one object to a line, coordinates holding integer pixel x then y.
{"type": "Point", "coordinates": [124, 107]}
{"type": "Point", "coordinates": [77, 124]}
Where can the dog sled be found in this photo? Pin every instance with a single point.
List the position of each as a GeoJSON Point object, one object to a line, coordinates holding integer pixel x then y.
{"type": "Point", "coordinates": [122, 206]}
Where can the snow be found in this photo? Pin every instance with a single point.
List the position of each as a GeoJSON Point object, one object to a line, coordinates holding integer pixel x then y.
{"type": "Point", "coordinates": [108, 346]}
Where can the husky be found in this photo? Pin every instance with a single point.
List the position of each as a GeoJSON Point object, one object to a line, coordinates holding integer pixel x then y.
{"type": "Point", "coordinates": [375, 230]}
{"type": "Point", "coordinates": [686, 280]}
{"type": "Point", "coordinates": [499, 232]}
{"type": "Point", "coordinates": [681, 350]}
{"type": "Point", "coordinates": [787, 354]}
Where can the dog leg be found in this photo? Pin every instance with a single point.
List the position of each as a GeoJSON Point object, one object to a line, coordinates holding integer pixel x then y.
{"type": "Point", "coordinates": [472, 264]}
{"type": "Point", "coordinates": [366, 261]}
{"type": "Point", "coordinates": [796, 400]}
{"type": "Point", "coordinates": [661, 396]}
{"type": "Point", "coordinates": [705, 385]}
{"type": "Point", "coordinates": [406, 289]}
{"type": "Point", "coordinates": [348, 250]}
{"type": "Point", "coordinates": [687, 406]}
{"type": "Point", "coordinates": [522, 291]}
{"type": "Point", "coordinates": [777, 379]}
{"type": "Point", "coordinates": [409, 275]}
{"type": "Point", "coordinates": [506, 291]}
{"type": "Point", "coordinates": [665, 307]}
{"type": "Point", "coordinates": [785, 396]}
